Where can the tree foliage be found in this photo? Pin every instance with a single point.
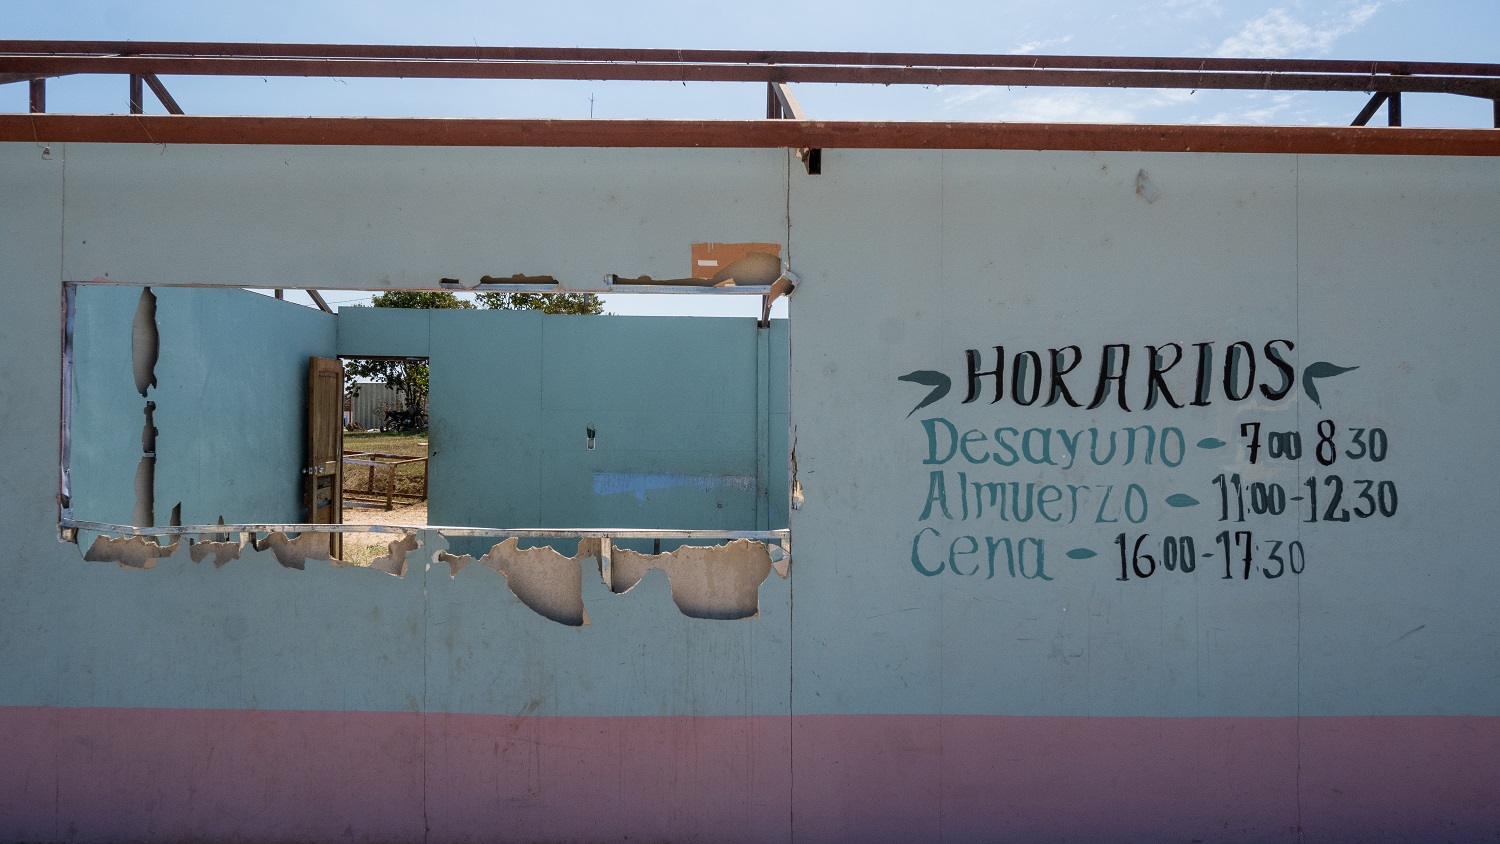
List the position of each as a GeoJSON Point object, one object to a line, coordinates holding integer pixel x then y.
{"type": "Point", "coordinates": [408, 378]}
{"type": "Point", "coordinates": [547, 303]}
{"type": "Point", "coordinates": [418, 299]}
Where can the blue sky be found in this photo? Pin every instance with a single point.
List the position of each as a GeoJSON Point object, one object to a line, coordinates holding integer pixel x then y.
{"type": "Point", "coordinates": [1410, 30]}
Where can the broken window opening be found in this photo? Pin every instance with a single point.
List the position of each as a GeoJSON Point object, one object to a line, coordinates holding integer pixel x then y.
{"type": "Point", "coordinates": [155, 341]}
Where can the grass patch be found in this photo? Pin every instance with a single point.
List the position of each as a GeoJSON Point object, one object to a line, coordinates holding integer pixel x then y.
{"type": "Point", "coordinates": [409, 443]}
{"type": "Point", "coordinates": [361, 549]}
{"type": "Point", "coordinates": [408, 477]}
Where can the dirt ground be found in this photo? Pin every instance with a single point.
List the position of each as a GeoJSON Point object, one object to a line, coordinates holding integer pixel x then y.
{"type": "Point", "coordinates": [361, 548]}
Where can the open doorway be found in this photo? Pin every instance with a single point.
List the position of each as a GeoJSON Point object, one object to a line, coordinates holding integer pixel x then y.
{"type": "Point", "coordinates": [384, 474]}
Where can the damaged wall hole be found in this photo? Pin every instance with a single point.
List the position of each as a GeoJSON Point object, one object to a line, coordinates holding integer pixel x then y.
{"type": "Point", "coordinates": [706, 582]}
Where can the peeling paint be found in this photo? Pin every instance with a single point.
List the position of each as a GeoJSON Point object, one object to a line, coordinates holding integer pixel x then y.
{"type": "Point", "coordinates": [395, 561]}
{"type": "Point", "coordinates": [456, 562]}
{"type": "Point", "coordinates": [143, 514]}
{"type": "Point", "coordinates": [294, 553]}
{"type": "Point", "coordinates": [797, 497]}
{"type": "Point", "coordinates": [714, 581]}
{"type": "Point", "coordinates": [222, 552]}
{"type": "Point", "coordinates": [144, 342]}
{"type": "Point", "coordinates": [148, 433]}
{"type": "Point", "coordinates": [781, 561]}
{"type": "Point", "coordinates": [131, 552]}
{"type": "Point", "coordinates": [541, 578]}
{"type": "Point", "coordinates": [640, 484]}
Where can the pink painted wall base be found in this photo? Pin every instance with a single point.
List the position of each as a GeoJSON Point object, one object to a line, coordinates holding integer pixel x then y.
{"type": "Point", "coordinates": [93, 774]}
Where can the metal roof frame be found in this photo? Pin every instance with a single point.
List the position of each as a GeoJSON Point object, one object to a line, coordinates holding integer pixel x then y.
{"type": "Point", "coordinates": [144, 62]}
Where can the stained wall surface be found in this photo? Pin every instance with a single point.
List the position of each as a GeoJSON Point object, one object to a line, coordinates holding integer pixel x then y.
{"type": "Point", "coordinates": [906, 694]}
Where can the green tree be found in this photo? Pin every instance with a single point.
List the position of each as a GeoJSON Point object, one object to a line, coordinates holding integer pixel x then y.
{"type": "Point", "coordinates": [547, 303]}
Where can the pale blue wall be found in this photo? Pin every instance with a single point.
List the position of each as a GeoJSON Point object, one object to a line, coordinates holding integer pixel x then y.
{"type": "Point", "coordinates": [885, 294]}
{"type": "Point", "coordinates": [907, 259]}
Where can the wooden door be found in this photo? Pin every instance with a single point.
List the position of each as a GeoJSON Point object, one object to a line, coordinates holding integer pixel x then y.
{"type": "Point", "coordinates": [324, 489]}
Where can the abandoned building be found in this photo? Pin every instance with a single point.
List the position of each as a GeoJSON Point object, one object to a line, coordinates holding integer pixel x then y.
{"type": "Point", "coordinates": [1103, 482]}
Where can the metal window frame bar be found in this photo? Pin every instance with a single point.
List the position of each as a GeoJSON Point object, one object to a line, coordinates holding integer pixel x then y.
{"type": "Point", "coordinates": [782, 286]}
{"type": "Point", "coordinates": [780, 536]}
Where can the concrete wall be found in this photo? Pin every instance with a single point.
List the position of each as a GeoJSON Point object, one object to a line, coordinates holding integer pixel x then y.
{"type": "Point", "coordinates": [897, 698]}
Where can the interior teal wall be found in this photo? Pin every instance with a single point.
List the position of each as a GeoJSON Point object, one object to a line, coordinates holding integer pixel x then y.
{"type": "Point", "coordinates": [230, 404]}
{"type": "Point", "coordinates": [674, 403]}
{"type": "Point", "coordinates": [107, 411]}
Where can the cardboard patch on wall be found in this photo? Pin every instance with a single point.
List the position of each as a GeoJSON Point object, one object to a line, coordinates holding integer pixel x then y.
{"type": "Point", "coordinates": [711, 259]}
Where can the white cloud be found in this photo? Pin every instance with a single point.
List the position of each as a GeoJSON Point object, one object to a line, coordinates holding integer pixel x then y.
{"type": "Point", "coordinates": [1064, 107]}
{"type": "Point", "coordinates": [1277, 34]}
{"type": "Point", "coordinates": [1257, 111]}
{"type": "Point", "coordinates": [1282, 109]}
{"type": "Point", "coordinates": [1028, 47]}
{"type": "Point", "coordinates": [1060, 105]}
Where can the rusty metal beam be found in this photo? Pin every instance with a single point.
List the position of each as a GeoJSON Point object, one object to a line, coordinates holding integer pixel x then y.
{"type": "Point", "coordinates": [782, 104]}
{"type": "Point", "coordinates": [790, 108]}
{"type": "Point", "coordinates": [8, 78]}
{"type": "Point", "coordinates": [772, 57]}
{"type": "Point", "coordinates": [1376, 101]}
{"type": "Point", "coordinates": [1486, 86]}
{"type": "Point", "coordinates": [162, 94]}
{"type": "Point", "coordinates": [137, 95]}
{"type": "Point", "coordinates": [318, 298]}
{"type": "Point", "coordinates": [1393, 109]}
{"type": "Point", "coordinates": [38, 96]}
{"type": "Point", "coordinates": [776, 134]}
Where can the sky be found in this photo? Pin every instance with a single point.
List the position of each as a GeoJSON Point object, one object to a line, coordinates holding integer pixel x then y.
{"type": "Point", "coordinates": [1385, 30]}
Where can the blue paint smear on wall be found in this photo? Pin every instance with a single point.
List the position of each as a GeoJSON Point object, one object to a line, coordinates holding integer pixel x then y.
{"type": "Point", "coordinates": [640, 484]}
